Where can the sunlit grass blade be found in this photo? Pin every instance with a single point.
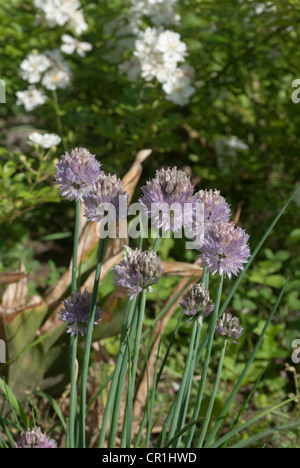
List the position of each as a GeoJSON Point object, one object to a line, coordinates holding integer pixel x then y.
{"type": "Point", "coordinates": [187, 390]}
{"type": "Point", "coordinates": [125, 436]}
{"type": "Point", "coordinates": [165, 310]}
{"type": "Point", "coordinates": [99, 391]}
{"type": "Point", "coordinates": [263, 434]}
{"type": "Point", "coordinates": [181, 432]}
{"type": "Point", "coordinates": [126, 364]}
{"type": "Point", "coordinates": [185, 375]}
{"type": "Point", "coordinates": [87, 349]}
{"type": "Point", "coordinates": [256, 418]}
{"type": "Point", "coordinates": [119, 363]}
{"type": "Point", "coordinates": [55, 407]}
{"type": "Point", "coordinates": [152, 397]}
{"type": "Point", "coordinates": [188, 383]}
{"type": "Point", "coordinates": [153, 426]}
{"type": "Point", "coordinates": [245, 404]}
{"type": "Point", "coordinates": [71, 433]}
{"type": "Point", "coordinates": [136, 350]}
{"type": "Point", "coordinates": [213, 397]}
{"type": "Point", "coordinates": [158, 377]}
{"type": "Point", "coordinates": [8, 435]}
{"type": "Point", "coordinates": [156, 243]}
{"type": "Point", "coordinates": [15, 406]}
{"type": "Point", "coordinates": [205, 280]}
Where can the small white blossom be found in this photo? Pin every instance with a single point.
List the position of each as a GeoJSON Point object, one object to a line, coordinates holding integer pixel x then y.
{"type": "Point", "coordinates": [56, 78]}
{"type": "Point", "coordinates": [178, 88]}
{"type": "Point", "coordinates": [71, 45]}
{"type": "Point", "coordinates": [47, 140]}
{"type": "Point", "coordinates": [158, 59]}
{"type": "Point", "coordinates": [62, 13]}
{"type": "Point", "coordinates": [33, 66]}
{"type": "Point", "coordinates": [158, 52]}
{"type": "Point", "coordinates": [78, 22]}
{"type": "Point", "coordinates": [31, 98]}
{"type": "Point", "coordinates": [172, 48]}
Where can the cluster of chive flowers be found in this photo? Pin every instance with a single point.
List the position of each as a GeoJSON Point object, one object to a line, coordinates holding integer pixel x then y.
{"type": "Point", "coordinates": [36, 439]}
{"type": "Point", "coordinates": [197, 305]}
{"type": "Point", "coordinates": [225, 247]}
{"type": "Point", "coordinates": [139, 271]}
{"type": "Point", "coordinates": [80, 178]}
{"type": "Point", "coordinates": [170, 201]}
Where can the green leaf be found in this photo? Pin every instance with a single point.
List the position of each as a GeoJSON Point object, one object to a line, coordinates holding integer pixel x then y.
{"type": "Point", "coordinates": [8, 169]}
{"type": "Point", "coordinates": [275, 281]}
{"type": "Point", "coordinates": [6, 390]}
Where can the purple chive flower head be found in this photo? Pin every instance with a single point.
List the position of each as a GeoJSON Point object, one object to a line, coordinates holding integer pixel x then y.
{"type": "Point", "coordinates": [107, 190]}
{"type": "Point", "coordinates": [225, 249]}
{"type": "Point", "coordinates": [34, 438]}
{"type": "Point", "coordinates": [139, 270]}
{"type": "Point", "coordinates": [216, 208]}
{"type": "Point", "coordinates": [76, 312]}
{"type": "Point", "coordinates": [229, 328]}
{"type": "Point", "coordinates": [169, 187]}
{"type": "Point", "coordinates": [76, 172]}
{"type": "Point", "coordinates": [196, 303]}
{"type": "Point", "coordinates": [209, 208]}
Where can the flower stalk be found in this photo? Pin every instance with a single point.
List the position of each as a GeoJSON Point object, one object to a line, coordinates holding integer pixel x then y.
{"type": "Point", "coordinates": [74, 339]}
{"type": "Point", "coordinates": [118, 368]}
{"type": "Point", "coordinates": [206, 362]}
{"type": "Point", "coordinates": [213, 397]}
{"type": "Point", "coordinates": [88, 343]}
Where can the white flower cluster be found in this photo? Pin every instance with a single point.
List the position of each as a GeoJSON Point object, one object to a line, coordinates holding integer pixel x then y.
{"type": "Point", "coordinates": [160, 53]}
{"type": "Point", "coordinates": [71, 45]}
{"type": "Point", "coordinates": [158, 11]}
{"type": "Point", "coordinates": [31, 98]}
{"type": "Point", "coordinates": [49, 68]}
{"type": "Point", "coordinates": [62, 13]}
{"type": "Point", "coordinates": [59, 74]}
{"type": "Point", "coordinates": [46, 140]}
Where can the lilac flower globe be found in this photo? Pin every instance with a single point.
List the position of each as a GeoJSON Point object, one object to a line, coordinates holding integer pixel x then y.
{"type": "Point", "coordinates": [106, 191]}
{"type": "Point", "coordinates": [168, 199]}
{"type": "Point", "coordinates": [35, 438]}
{"type": "Point", "coordinates": [76, 173]}
{"type": "Point", "coordinates": [76, 312]}
{"type": "Point", "coordinates": [216, 208]}
{"type": "Point", "coordinates": [139, 270]}
{"type": "Point", "coordinates": [225, 249]}
{"type": "Point", "coordinates": [209, 209]}
{"type": "Point", "coordinates": [196, 303]}
{"type": "Point", "coordinates": [229, 328]}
